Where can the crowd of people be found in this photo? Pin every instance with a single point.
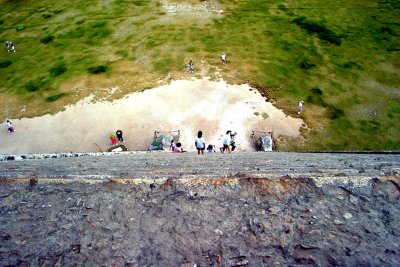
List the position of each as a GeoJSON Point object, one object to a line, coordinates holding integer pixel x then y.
{"type": "Point", "coordinates": [228, 144]}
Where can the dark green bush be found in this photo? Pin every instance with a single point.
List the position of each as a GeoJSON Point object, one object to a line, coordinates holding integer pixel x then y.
{"type": "Point", "coordinates": [350, 65]}
{"type": "Point", "coordinates": [97, 69]}
{"type": "Point", "coordinates": [47, 15]}
{"type": "Point", "coordinates": [282, 7]}
{"type": "Point", "coordinates": [322, 32]}
{"type": "Point", "coordinates": [47, 39]}
{"type": "Point", "coordinates": [1, 21]}
{"type": "Point", "coordinates": [335, 113]}
{"type": "Point", "coordinates": [98, 24]}
{"type": "Point", "coordinates": [306, 65]}
{"type": "Point", "coordinates": [35, 85]}
{"type": "Point", "coordinates": [5, 64]}
{"type": "Point", "coordinates": [53, 98]}
{"type": "Point", "coordinates": [316, 97]}
{"type": "Point", "coordinates": [20, 28]}
{"type": "Point", "coordinates": [58, 70]}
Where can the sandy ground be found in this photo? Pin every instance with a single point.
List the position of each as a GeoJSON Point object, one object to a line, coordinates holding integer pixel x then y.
{"type": "Point", "coordinates": [186, 105]}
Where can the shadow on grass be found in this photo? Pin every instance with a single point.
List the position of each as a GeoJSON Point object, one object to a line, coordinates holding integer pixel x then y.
{"type": "Point", "coordinates": [97, 69]}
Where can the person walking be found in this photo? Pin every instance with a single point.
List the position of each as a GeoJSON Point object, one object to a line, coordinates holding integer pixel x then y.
{"type": "Point", "coordinates": [191, 66]}
{"type": "Point", "coordinates": [119, 135]}
{"type": "Point", "coordinates": [200, 143]}
{"type": "Point", "coordinates": [223, 58]}
{"type": "Point", "coordinates": [300, 107]}
{"type": "Point", "coordinates": [12, 47]}
{"type": "Point", "coordinates": [226, 143]}
{"type": "Point", "coordinates": [10, 128]}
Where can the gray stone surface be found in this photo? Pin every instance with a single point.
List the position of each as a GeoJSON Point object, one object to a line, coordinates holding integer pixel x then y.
{"type": "Point", "coordinates": [161, 209]}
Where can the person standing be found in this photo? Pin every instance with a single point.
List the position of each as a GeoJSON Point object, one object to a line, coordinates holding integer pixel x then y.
{"type": "Point", "coordinates": [226, 143]}
{"type": "Point", "coordinates": [191, 66]}
{"type": "Point", "coordinates": [200, 143]}
{"type": "Point", "coordinates": [119, 135]}
{"type": "Point", "coordinates": [172, 146]}
{"type": "Point", "coordinates": [233, 143]}
{"type": "Point", "coordinates": [12, 47]}
{"type": "Point", "coordinates": [113, 139]}
{"type": "Point", "coordinates": [7, 46]}
{"type": "Point", "coordinates": [223, 59]}
{"type": "Point", "coordinates": [10, 128]}
{"type": "Point", "coordinates": [300, 107]}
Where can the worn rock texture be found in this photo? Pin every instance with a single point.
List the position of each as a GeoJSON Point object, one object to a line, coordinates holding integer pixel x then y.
{"type": "Point", "coordinates": [254, 209]}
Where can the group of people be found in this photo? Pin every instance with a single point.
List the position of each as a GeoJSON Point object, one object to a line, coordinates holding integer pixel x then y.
{"type": "Point", "coordinates": [10, 46]}
{"type": "Point", "coordinates": [116, 137]}
{"type": "Point", "coordinates": [191, 65]}
{"type": "Point", "coordinates": [228, 144]}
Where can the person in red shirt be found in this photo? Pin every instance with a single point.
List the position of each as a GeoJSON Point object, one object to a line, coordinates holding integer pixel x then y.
{"type": "Point", "coordinates": [113, 139]}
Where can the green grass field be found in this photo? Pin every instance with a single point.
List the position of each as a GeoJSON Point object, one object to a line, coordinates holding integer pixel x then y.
{"type": "Point", "coordinates": [340, 57]}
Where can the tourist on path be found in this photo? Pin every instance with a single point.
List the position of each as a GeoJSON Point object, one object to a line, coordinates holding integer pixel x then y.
{"type": "Point", "coordinates": [233, 143]}
{"type": "Point", "coordinates": [10, 128]}
{"type": "Point", "coordinates": [300, 107]}
{"type": "Point", "coordinates": [226, 143]}
{"type": "Point", "coordinates": [200, 143]}
{"type": "Point", "coordinates": [113, 139]}
{"type": "Point", "coordinates": [172, 146]}
{"type": "Point", "coordinates": [119, 135]}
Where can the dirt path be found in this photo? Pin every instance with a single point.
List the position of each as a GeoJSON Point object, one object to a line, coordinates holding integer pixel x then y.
{"type": "Point", "coordinates": [187, 105]}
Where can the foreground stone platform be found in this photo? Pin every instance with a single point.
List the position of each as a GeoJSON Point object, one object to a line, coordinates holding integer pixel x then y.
{"type": "Point", "coordinates": [163, 209]}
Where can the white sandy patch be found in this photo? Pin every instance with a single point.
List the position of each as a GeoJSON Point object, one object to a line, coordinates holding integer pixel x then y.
{"type": "Point", "coordinates": [211, 106]}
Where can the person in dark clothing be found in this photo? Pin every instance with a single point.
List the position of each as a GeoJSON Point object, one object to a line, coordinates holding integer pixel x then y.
{"type": "Point", "coordinates": [119, 135]}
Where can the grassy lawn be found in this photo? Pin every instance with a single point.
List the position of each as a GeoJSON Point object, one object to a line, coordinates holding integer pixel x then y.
{"type": "Point", "coordinates": [341, 58]}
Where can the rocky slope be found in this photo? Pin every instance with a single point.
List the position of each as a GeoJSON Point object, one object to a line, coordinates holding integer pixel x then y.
{"type": "Point", "coordinates": [160, 209]}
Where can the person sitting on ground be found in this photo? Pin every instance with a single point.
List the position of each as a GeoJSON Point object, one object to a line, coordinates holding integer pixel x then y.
{"type": "Point", "coordinates": [113, 139]}
{"type": "Point", "coordinates": [191, 66]}
{"type": "Point", "coordinates": [211, 149]}
{"type": "Point", "coordinates": [226, 143]}
{"type": "Point", "coordinates": [10, 128]}
{"type": "Point", "coordinates": [178, 148]}
{"type": "Point", "coordinates": [200, 143]}
{"type": "Point", "coordinates": [223, 59]}
{"type": "Point", "coordinates": [119, 136]}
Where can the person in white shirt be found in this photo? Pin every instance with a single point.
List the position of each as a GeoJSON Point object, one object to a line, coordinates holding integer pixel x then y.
{"type": "Point", "coordinates": [200, 143]}
{"type": "Point", "coordinates": [10, 128]}
{"type": "Point", "coordinates": [300, 107]}
{"type": "Point", "coordinates": [226, 143]}
{"type": "Point", "coordinates": [223, 59]}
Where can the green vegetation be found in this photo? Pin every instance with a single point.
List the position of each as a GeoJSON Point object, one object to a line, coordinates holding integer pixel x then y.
{"type": "Point", "coordinates": [5, 63]}
{"type": "Point", "coordinates": [47, 39]}
{"type": "Point", "coordinates": [54, 97]}
{"type": "Point", "coordinates": [340, 57]}
{"type": "Point", "coordinates": [97, 69]}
